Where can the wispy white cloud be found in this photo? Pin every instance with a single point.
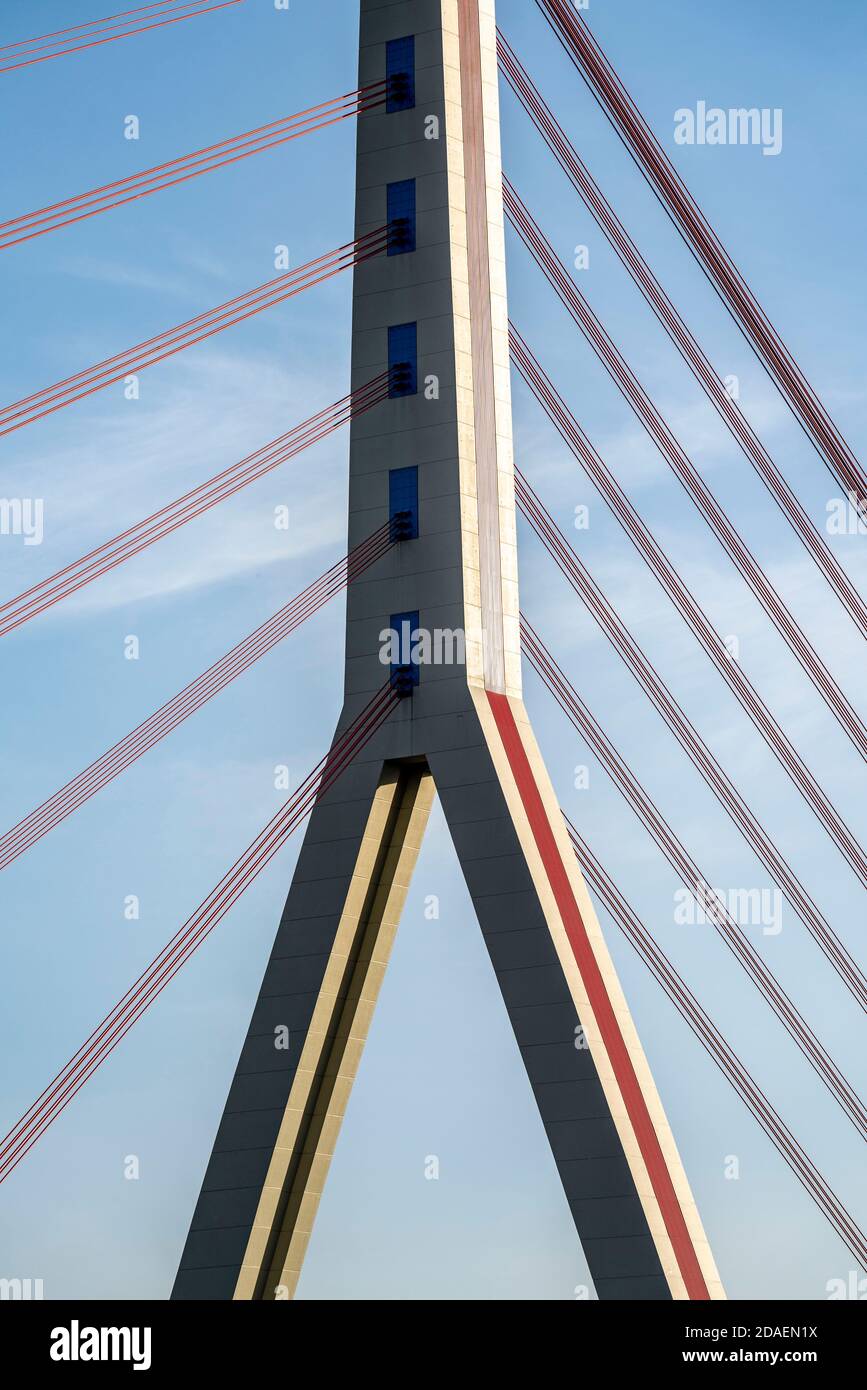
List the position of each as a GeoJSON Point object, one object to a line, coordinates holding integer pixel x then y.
{"type": "Point", "coordinates": [142, 457]}
{"type": "Point", "coordinates": [128, 274]}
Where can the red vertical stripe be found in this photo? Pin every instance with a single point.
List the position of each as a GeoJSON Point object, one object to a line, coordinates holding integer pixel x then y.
{"type": "Point", "coordinates": [484, 408]}
{"type": "Point", "coordinates": [606, 1019]}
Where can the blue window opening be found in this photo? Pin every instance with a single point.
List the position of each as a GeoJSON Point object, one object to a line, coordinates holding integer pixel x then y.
{"type": "Point", "coordinates": [405, 670]}
{"type": "Point", "coordinates": [400, 199]}
{"type": "Point", "coordinates": [403, 503]}
{"type": "Point", "coordinates": [400, 74]}
{"type": "Point", "coordinates": [403, 360]}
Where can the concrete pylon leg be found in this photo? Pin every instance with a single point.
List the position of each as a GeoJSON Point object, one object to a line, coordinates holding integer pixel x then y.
{"type": "Point", "coordinates": [617, 1159]}
{"type": "Point", "coordinates": [437, 458]}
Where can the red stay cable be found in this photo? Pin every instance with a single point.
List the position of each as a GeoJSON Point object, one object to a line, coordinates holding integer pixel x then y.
{"type": "Point", "coordinates": [154, 350]}
{"type": "Point", "coordinates": [199, 319]}
{"type": "Point", "coordinates": [190, 936]}
{"type": "Point", "coordinates": [694, 616]}
{"type": "Point", "coordinates": [121, 755]}
{"type": "Point", "coordinates": [691, 876]}
{"type": "Point", "coordinates": [69, 211]}
{"type": "Point", "coordinates": [96, 42]}
{"type": "Point", "coordinates": [91, 23]}
{"type": "Point", "coordinates": [711, 255]}
{"type": "Point", "coordinates": [169, 518]}
{"type": "Point", "coordinates": [712, 1040]}
{"type": "Point", "coordinates": [686, 473]}
{"type": "Point", "coordinates": [689, 738]}
{"type": "Point", "coordinates": [739, 426]}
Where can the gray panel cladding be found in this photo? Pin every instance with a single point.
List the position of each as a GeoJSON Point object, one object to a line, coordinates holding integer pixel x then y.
{"type": "Point", "coordinates": [425, 575]}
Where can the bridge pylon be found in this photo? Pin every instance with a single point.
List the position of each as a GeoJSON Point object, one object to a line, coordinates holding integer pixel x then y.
{"type": "Point", "coordinates": [436, 458]}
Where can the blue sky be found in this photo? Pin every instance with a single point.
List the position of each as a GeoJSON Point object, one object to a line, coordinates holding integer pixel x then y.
{"type": "Point", "coordinates": [495, 1224]}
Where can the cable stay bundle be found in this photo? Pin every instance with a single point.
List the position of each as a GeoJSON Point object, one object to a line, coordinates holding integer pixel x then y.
{"type": "Point", "coordinates": [116, 1024]}
{"type": "Point", "coordinates": [727, 794]}
{"type": "Point", "coordinates": [166, 719]}
{"type": "Point", "coordinates": [163, 345]}
{"type": "Point", "coordinates": [694, 616]}
{"type": "Point", "coordinates": [686, 473]}
{"type": "Point", "coordinates": [692, 224]}
{"type": "Point", "coordinates": [25, 52]}
{"type": "Point", "coordinates": [712, 1040]}
{"type": "Point", "coordinates": [189, 166]}
{"type": "Point", "coordinates": [692, 878]}
{"type": "Point", "coordinates": [682, 337]}
{"type": "Point", "coordinates": [114, 552]}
